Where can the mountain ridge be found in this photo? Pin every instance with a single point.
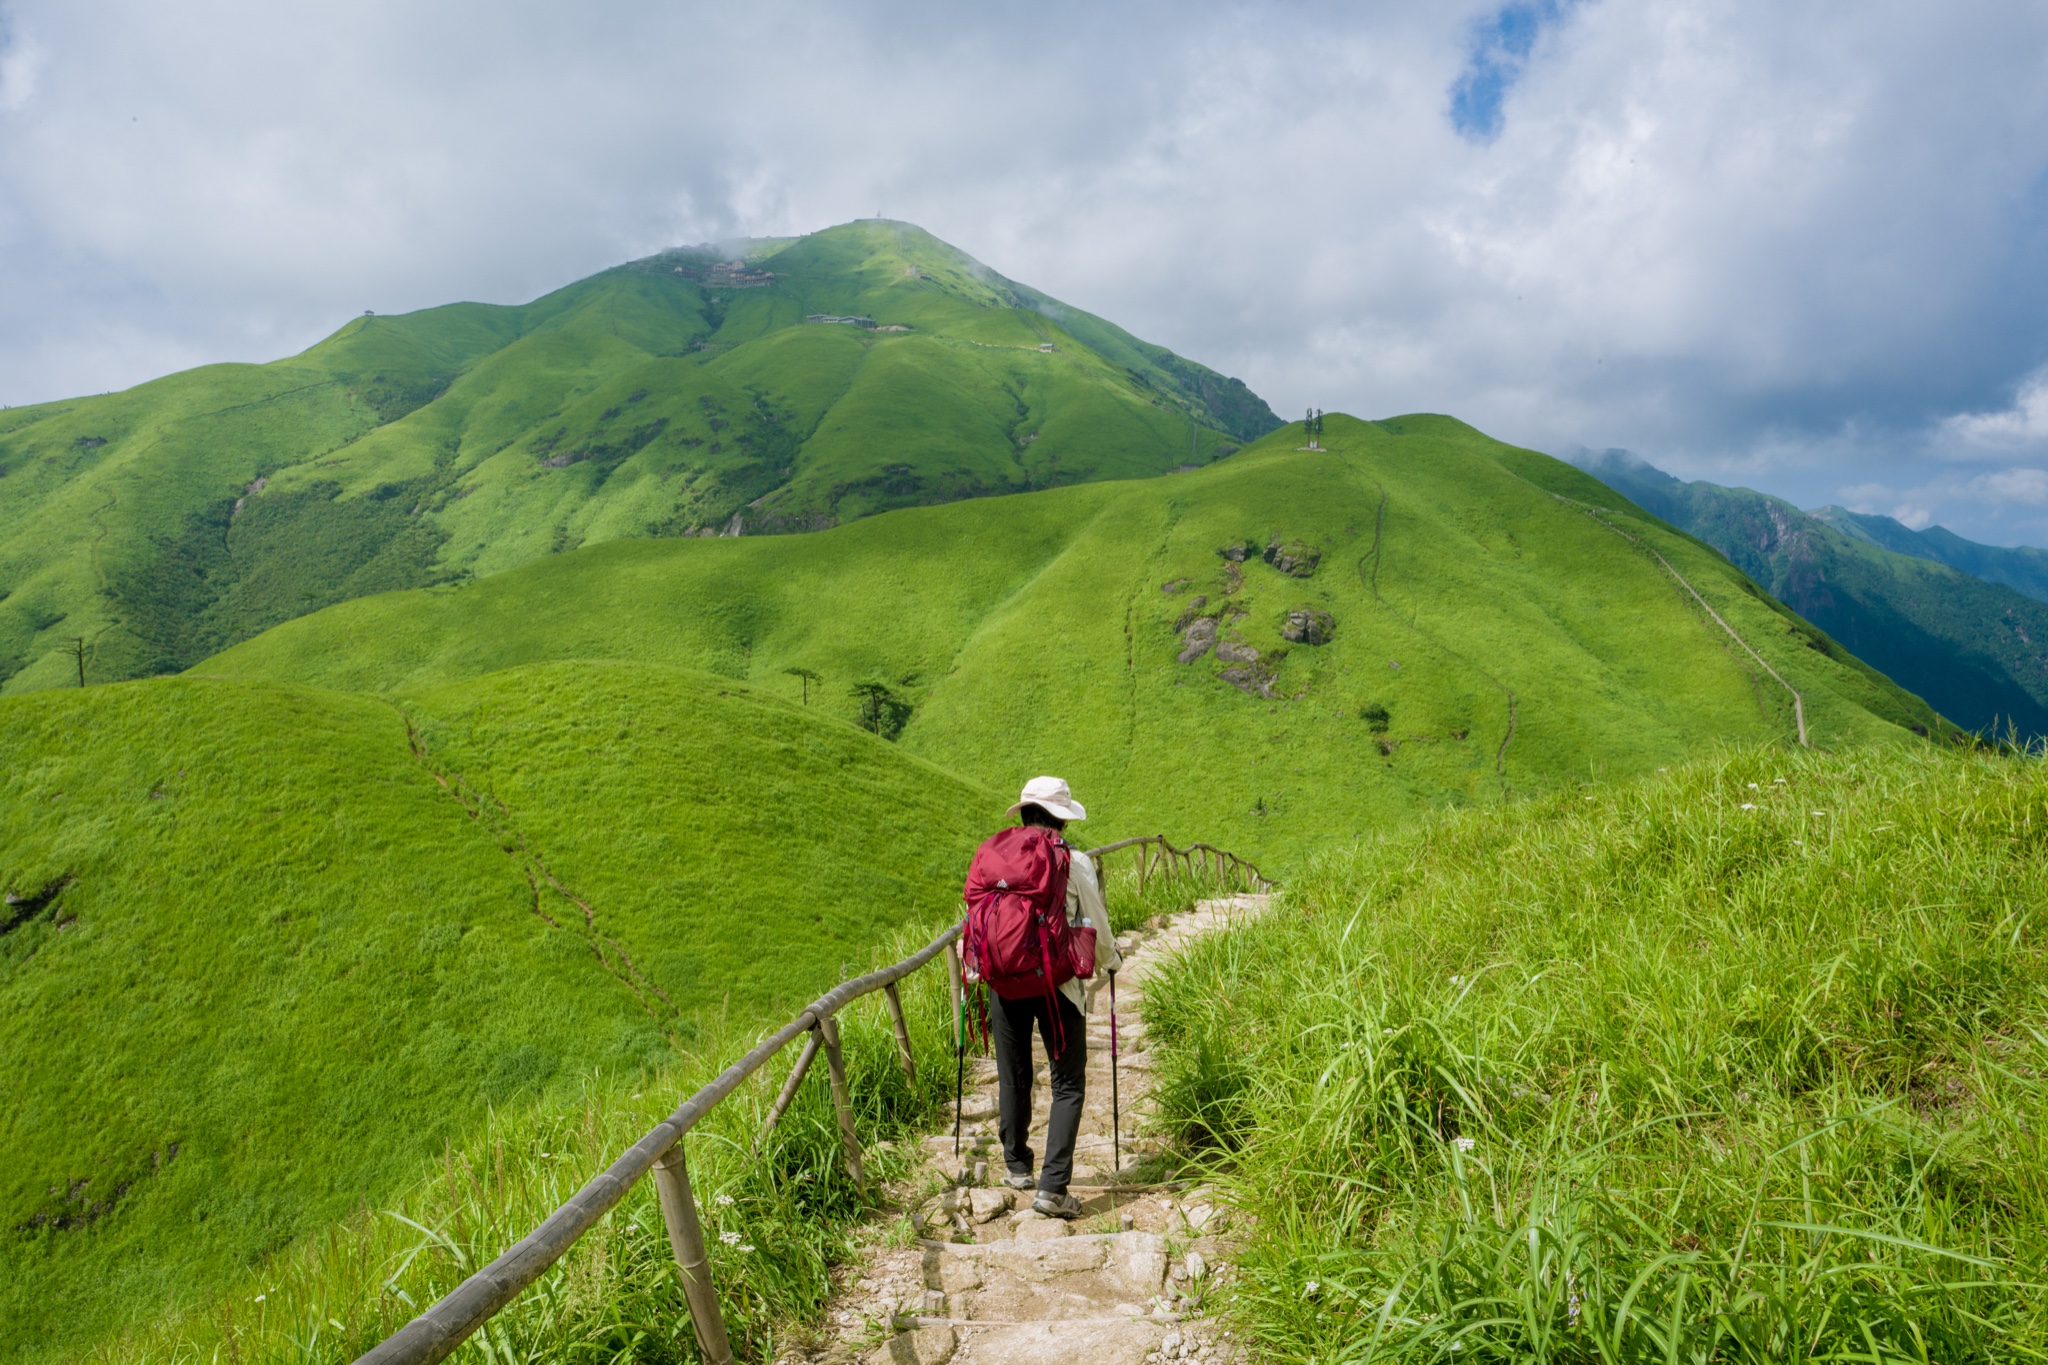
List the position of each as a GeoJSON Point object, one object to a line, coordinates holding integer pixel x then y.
{"type": "Point", "coordinates": [1334, 638]}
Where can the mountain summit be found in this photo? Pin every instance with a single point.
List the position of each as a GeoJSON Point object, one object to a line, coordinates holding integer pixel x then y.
{"type": "Point", "coordinates": [783, 385]}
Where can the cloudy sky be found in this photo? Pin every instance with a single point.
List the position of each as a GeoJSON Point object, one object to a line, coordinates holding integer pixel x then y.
{"type": "Point", "coordinates": [1802, 247]}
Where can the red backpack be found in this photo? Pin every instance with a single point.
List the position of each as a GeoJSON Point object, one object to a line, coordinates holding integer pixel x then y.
{"type": "Point", "coordinates": [1017, 937]}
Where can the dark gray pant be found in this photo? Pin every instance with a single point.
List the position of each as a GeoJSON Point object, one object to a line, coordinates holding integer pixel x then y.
{"type": "Point", "coordinates": [1010, 1021]}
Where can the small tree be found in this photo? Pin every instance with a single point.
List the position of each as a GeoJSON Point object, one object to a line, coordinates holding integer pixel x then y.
{"type": "Point", "coordinates": [881, 710]}
{"type": "Point", "coordinates": [78, 648]}
{"type": "Point", "coordinates": [809, 676]}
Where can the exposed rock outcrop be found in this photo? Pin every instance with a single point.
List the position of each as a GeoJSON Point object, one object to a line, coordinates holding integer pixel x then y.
{"type": "Point", "coordinates": [1309, 626]}
{"type": "Point", "coordinates": [1296, 558]}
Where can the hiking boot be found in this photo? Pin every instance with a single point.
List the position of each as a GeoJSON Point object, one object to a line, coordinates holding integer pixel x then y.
{"type": "Point", "coordinates": [1056, 1205]}
{"type": "Point", "coordinates": [1020, 1182]}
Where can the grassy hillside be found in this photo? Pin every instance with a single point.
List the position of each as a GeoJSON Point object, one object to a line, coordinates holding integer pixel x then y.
{"type": "Point", "coordinates": [1742, 1063]}
{"type": "Point", "coordinates": [677, 395]}
{"type": "Point", "coordinates": [1482, 630]}
{"type": "Point", "coordinates": [266, 948]}
{"type": "Point", "coordinates": [1966, 645]}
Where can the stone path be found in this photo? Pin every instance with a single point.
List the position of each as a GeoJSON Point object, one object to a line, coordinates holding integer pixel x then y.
{"type": "Point", "coordinates": [986, 1281]}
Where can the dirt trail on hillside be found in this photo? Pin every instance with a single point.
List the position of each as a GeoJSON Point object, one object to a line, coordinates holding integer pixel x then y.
{"type": "Point", "coordinates": [1798, 700]}
{"type": "Point", "coordinates": [989, 1282]}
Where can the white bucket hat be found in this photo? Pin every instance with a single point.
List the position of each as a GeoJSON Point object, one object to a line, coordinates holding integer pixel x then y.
{"type": "Point", "coordinates": [1053, 794]}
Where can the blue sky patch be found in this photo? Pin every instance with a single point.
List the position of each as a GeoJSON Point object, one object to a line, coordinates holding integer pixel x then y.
{"type": "Point", "coordinates": [1500, 48]}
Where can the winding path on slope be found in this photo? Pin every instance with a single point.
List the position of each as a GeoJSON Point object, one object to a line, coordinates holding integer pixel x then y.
{"type": "Point", "coordinates": [1798, 701]}
{"type": "Point", "coordinates": [989, 1282]}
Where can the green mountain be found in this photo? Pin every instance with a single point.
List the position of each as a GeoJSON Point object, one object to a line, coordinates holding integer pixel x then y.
{"type": "Point", "coordinates": [1965, 645]}
{"type": "Point", "coordinates": [266, 947]}
{"type": "Point", "coordinates": [2020, 567]}
{"type": "Point", "coordinates": [796, 385]}
{"type": "Point", "coordinates": [1282, 648]}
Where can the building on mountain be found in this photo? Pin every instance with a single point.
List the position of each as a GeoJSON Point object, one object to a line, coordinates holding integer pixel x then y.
{"type": "Point", "coordinates": [868, 323]}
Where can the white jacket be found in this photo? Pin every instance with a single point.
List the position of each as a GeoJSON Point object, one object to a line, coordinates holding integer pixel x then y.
{"type": "Point", "coordinates": [1084, 898]}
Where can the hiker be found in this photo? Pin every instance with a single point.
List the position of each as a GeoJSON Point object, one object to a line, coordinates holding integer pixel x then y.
{"type": "Point", "coordinates": [1027, 997]}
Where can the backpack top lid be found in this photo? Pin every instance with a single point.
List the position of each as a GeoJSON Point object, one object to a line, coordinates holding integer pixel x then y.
{"type": "Point", "coordinates": [1023, 860]}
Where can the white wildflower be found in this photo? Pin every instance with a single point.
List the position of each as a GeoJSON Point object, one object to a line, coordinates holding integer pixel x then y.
{"type": "Point", "coordinates": [1463, 1143]}
{"type": "Point", "coordinates": [1777, 781]}
{"type": "Point", "coordinates": [746, 1246]}
{"type": "Point", "coordinates": [1456, 980]}
{"type": "Point", "coordinates": [725, 1201]}
{"type": "Point", "coordinates": [259, 1298]}
{"type": "Point", "coordinates": [731, 1239]}
{"type": "Point", "coordinates": [1747, 806]}
{"type": "Point", "coordinates": [1753, 786]}
{"type": "Point", "coordinates": [545, 1155]}
{"type": "Point", "coordinates": [1311, 1289]}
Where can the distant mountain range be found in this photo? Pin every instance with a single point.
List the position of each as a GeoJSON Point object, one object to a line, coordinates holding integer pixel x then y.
{"type": "Point", "coordinates": [1963, 625]}
{"type": "Point", "coordinates": [2022, 567]}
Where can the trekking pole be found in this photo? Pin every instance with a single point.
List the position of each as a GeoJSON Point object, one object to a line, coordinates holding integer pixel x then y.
{"type": "Point", "coordinates": [959, 1042]}
{"type": "Point", "coordinates": [1116, 1122]}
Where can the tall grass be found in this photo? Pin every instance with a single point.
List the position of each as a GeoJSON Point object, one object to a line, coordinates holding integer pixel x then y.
{"type": "Point", "coordinates": [775, 1223]}
{"type": "Point", "coordinates": [1743, 1063]}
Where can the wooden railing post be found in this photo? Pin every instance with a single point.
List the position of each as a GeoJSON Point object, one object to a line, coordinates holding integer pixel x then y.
{"type": "Point", "coordinates": [902, 1032]}
{"type": "Point", "coordinates": [788, 1093]}
{"type": "Point", "coordinates": [686, 1240]}
{"type": "Point", "coordinates": [842, 1101]}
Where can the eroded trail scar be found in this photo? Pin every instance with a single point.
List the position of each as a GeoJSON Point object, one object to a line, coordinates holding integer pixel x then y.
{"type": "Point", "coordinates": [1369, 574]}
{"type": "Point", "coordinates": [988, 1280]}
{"type": "Point", "coordinates": [493, 815]}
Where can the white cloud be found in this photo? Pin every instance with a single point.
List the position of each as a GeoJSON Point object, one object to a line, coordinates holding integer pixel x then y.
{"type": "Point", "coordinates": [2025, 423]}
{"type": "Point", "coordinates": [1776, 244]}
{"type": "Point", "coordinates": [2026, 487]}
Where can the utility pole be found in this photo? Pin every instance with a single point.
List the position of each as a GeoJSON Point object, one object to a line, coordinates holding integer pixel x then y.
{"type": "Point", "coordinates": [78, 648]}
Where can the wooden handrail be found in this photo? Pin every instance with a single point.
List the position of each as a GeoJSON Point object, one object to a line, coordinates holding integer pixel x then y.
{"type": "Point", "coordinates": [435, 1334]}
{"type": "Point", "coordinates": [1155, 851]}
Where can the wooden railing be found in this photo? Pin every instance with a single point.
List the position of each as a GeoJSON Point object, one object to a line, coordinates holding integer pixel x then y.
{"type": "Point", "coordinates": [434, 1334]}
{"type": "Point", "coordinates": [1156, 857]}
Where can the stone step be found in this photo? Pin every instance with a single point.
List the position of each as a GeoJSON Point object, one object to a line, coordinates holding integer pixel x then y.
{"type": "Point", "coordinates": [1017, 1279]}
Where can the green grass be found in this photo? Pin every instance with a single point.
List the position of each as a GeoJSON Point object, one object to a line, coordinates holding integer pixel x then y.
{"type": "Point", "coordinates": [1492, 636]}
{"type": "Point", "coordinates": [640, 402]}
{"type": "Point", "coordinates": [271, 947]}
{"type": "Point", "coordinates": [1738, 1063]}
{"type": "Point", "coordinates": [790, 1213]}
